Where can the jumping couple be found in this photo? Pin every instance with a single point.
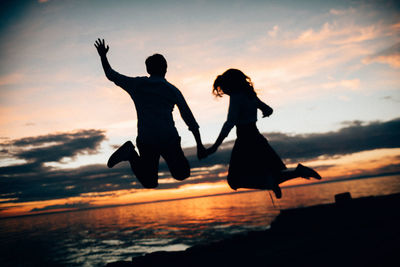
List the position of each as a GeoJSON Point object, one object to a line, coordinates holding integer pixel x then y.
{"type": "Point", "coordinates": [253, 164]}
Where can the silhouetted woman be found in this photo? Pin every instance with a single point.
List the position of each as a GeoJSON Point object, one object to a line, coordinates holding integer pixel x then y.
{"type": "Point", "coordinates": [253, 164]}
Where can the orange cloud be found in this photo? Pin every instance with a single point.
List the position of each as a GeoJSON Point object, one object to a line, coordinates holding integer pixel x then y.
{"type": "Point", "coordinates": [392, 60]}
{"type": "Point", "coordinates": [347, 84]}
{"type": "Point", "coordinates": [335, 33]}
{"type": "Point", "coordinates": [389, 56]}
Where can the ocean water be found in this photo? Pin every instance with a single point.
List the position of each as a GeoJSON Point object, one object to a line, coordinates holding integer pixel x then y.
{"type": "Point", "coordinates": [95, 237]}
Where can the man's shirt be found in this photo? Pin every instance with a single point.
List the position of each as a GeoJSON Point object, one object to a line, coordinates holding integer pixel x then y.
{"type": "Point", "coordinates": [154, 99]}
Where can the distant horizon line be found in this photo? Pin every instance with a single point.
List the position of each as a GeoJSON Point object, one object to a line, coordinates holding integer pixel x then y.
{"type": "Point", "coordinates": [203, 196]}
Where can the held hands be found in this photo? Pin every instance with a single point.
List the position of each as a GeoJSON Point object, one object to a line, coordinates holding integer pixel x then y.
{"type": "Point", "coordinates": [101, 47]}
{"type": "Point", "coordinates": [203, 153]}
{"type": "Point", "coordinates": [211, 150]}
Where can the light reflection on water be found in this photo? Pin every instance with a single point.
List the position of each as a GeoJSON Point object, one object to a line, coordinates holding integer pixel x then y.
{"type": "Point", "coordinates": [94, 237]}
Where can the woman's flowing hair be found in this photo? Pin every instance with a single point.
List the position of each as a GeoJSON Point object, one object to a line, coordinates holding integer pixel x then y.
{"type": "Point", "coordinates": [232, 81]}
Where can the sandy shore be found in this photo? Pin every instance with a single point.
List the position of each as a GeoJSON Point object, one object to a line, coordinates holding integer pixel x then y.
{"type": "Point", "coordinates": [350, 232]}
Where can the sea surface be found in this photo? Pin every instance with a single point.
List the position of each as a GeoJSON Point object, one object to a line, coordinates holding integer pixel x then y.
{"type": "Point", "coordinates": [96, 237]}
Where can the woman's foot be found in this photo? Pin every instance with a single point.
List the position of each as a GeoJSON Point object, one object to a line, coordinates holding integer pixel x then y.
{"type": "Point", "coordinates": [125, 152]}
{"type": "Point", "coordinates": [307, 172]}
{"type": "Point", "coordinates": [277, 191]}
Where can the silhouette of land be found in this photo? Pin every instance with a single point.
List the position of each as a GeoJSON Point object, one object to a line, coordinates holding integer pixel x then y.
{"type": "Point", "coordinates": [350, 232]}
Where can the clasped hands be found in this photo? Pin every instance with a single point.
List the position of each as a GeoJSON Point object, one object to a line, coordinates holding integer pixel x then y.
{"type": "Point", "coordinates": [203, 152]}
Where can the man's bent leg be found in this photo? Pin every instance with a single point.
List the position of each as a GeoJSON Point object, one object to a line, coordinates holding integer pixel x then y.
{"type": "Point", "coordinates": [177, 163]}
{"type": "Point", "coordinates": [123, 153]}
{"type": "Point", "coordinates": [145, 167]}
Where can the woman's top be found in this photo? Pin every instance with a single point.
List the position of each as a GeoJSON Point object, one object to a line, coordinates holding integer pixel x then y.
{"type": "Point", "coordinates": [243, 110]}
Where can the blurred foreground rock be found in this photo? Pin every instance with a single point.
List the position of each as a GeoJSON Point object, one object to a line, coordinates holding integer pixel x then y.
{"type": "Point", "coordinates": [351, 232]}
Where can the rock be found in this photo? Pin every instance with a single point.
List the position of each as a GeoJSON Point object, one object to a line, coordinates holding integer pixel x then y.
{"type": "Point", "coordinates": [352, 232]}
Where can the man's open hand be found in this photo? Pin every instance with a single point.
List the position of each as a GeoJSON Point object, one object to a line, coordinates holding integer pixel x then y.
{"type": "Point", "coordinates": [101, 47]}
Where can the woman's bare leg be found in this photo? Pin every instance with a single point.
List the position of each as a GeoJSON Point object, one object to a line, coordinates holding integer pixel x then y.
{"type": "Point", "coordinates": [289, 174]}
{"type": "Point", "coordinates": [283, 176]}
{"type": "Point", "coordinates": [300, 171]}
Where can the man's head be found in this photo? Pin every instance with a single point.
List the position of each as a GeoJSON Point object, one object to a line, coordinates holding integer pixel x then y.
{"type": "Point", "coordinates": [156, 65]}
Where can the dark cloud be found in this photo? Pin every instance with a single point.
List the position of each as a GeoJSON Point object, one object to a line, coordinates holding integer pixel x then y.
{"type": "Point", "coordinates": [57, 137]}
{"type": "Point", "coordinates": [54, 147]}
{"type": "Point", "coordinates": [66, 148]}
{"type": "Point", "coordinates": [388, 169]}
{"type": "Point", "coordinates": [77, 205]}
{"type": "Point", "coordinates": [54, 183]}
{"type": "Point", "coordinates": [22, 168]}
{"type": "Point", "coordinates": [355, 137]}
{"type": "Point", "coordinates": [33, 182]}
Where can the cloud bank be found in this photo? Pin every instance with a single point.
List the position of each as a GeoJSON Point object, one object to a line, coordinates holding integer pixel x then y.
{"type": "Point", "coordinates": [355, 137]}
{"type": "Point", "coordinates": [33, 181]}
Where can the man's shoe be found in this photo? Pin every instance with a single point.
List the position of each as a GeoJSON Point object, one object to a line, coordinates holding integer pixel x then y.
{"type": "Point", "coordinates": [307, 172]}
{"type": "Point", "coordinates": [123, 153]}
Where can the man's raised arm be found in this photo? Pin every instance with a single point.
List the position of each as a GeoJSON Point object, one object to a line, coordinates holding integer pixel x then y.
{"type": "Point", "coordinates": [112, 75]}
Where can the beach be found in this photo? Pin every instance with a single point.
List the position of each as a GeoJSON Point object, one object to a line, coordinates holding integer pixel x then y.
{"type": "Point", "coordinates": [350, 232]}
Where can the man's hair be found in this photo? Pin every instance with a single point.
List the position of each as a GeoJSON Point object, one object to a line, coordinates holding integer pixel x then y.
{"type": "Point", "coordinates": [156, 65]}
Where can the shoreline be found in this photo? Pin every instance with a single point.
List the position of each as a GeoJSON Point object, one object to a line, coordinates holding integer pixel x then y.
{"type": "Point", "coordinates": [242, 191]}
{"type": "Point", "coordinates": [350, 232]}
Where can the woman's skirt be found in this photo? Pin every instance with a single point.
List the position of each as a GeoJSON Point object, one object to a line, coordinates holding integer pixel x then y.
{"type": "Point", "coordinates": [254, 163]}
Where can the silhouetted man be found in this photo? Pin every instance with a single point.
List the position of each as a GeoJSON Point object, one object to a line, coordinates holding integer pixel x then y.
{"type": "Point", "coordinates": [154, 98]}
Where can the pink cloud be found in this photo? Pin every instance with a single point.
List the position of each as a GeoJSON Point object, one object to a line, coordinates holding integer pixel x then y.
{"type": "Point", "coordinates": [392, 60]}
{"type": "Point", "coordinates": [389, 56]}
{"type": "Point", "coordinates": [347, 84]}
{"type": "Point", "coordinates": [334, 33]}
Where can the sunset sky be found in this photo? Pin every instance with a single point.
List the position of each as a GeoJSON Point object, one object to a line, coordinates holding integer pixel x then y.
{"type": "Point", "coordinates": [329, 69]}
